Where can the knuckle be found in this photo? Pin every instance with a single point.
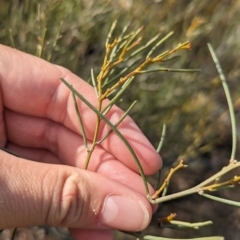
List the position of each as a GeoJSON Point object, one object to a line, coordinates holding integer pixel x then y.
{"type": "Point", "coordinates": [70, 203]}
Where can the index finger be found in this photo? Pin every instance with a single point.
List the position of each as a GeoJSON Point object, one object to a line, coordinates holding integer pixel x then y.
{"type": "Point", "coordinates": [32, 86]}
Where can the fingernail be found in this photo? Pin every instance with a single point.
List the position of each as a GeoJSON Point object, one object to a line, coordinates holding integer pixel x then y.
{"type": "Point", "coordinates": [124, 213]}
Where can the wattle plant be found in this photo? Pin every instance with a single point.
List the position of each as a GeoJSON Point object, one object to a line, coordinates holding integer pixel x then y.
{"type": "Point", "coordinates": [119, 69]}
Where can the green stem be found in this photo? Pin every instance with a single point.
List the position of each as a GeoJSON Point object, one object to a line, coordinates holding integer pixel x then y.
{"type": "Point", "coordinates": [94, 82]}
{"type": "Point", "coordinates": [197, 189]}
{"type": "Point", "coordinates": [148, 237]}
{"type": "Point", "coordinates": [55, 41]}
{"type": "Point", "coordinates": [118, 95]}
{"type": "Point", "coordinates": [141, 236]}
{"type": "Point", "coordinates": [41, 47]}
{"type": "Point", "coordinates": [181, 224]}
{"type": "Point", "coordinates": [170, 70]}
{"type": "Point", "coordinates": [158, 44]}
{"type": "Point", "coordinates": [94, 141]}
{"type": "Point", "coordinates": [229, 101]}
{"type": "Point", "coordinates": [222, 200]}
{"type": "Point", "coordinates": [118, 122]}
{"type": "Point", "coordinates": [114, 129]}
{"type": "Point", "coordinates": [80, 121]}
{"type": "Point", "coordinates": [162, 138]}
{"type": "Point", "coordinates": [11, 37]}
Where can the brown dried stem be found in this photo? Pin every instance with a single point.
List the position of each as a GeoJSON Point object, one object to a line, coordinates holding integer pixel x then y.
{"type": "Point", "coordinates": [148, 61]}
{"type": "Point", "coordinates": [166, 181]}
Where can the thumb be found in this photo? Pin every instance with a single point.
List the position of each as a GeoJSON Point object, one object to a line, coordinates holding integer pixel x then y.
{"type": "Point", "coordinates": [33, 193]}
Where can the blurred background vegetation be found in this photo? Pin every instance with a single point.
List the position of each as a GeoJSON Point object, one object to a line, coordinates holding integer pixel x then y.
{"type": "Point", "coordinates": [192, 105]}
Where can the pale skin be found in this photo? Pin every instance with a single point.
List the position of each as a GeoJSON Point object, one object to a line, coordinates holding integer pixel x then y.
{"type": "Point", "coordinates": [47, 183]}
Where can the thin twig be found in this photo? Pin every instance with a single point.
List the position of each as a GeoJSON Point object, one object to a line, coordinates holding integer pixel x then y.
{"type": "Point", "coordinates": [229, 101]}
{"type": "Point", "coordinates": [161, 41]}
{"type": "Point", "coordinates": [11, 37]}
{"type": "Point", "coordinates": [80, 121]}
{"type": "Point", "coordinates": [198, 188]}
{"type": "Point", "coordinates": [166, 181]}
{"type": "Point", "coordinates": [171, 70]}
{"type": "Point", "coordinates": [118, 122]}
{"type": "Point", "coordinates": [162, 138]}
{"type": "Point", "coordinates": [222, 200]}
{"type": "Point", "coordinates": [114, 129]}
{"type": "Point", "coordinates": [94, 82]}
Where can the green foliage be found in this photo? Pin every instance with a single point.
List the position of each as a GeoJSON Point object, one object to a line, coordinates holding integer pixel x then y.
{"type": "Point", "coordinates": [186, 103]}
{"type": "Point", "coordinates": [193, 106]}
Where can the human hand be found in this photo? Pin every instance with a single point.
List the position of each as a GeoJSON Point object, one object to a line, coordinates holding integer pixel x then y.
{"type": "Point", "coordinates": [47, 184]}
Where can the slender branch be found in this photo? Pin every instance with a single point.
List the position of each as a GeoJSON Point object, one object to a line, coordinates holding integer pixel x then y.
{"type": "Point", "coordinates": [94, 82]}
{"type": "Point", "coordinates": [42, 45]}
{"type": "Point", "coordinates": [117, 76]}
{"type": "Point", "coordinates": [95, 136]}
{"type": "Point", "coordinates": [119, 94]}
{"type": "Point", "coordinates": [166, 181]}
{"type": "Point", "coordinates": [110, 32]}
{"type": "Point", "coordinates": [222, 200]}
{"type": "Point", "coordinates": [144, 46]}
{"type": "Point", "coordinates": [11, 37]}
{"type": "Point", "coordinates": [197, 225]}
{"type": "Point", "coordinates": [229, 183]}
{"type": "Point", "coordinates": [58, 36]}
{"type": "Point", "coordinates": [198, 188]}
{"type": "Point", "coordinates": [115, 49]}
{"type": "Point", "coordinates": [118, 122]}
{"type": "Point", "coordinates": [148, 237]}
{"type": "Point", "coordinates": [114, 129]}
{"type": "Point", "coordinates": [80, 121]}
{"type": "Point", "coordinates": [162, 138]}
{"type": "Point", "coordinates": [171, 70]}
{"type": "Point", "coordinates": [142, 236]}
{"type": "Point", "coordinates": [229, 101]}
{"type": "Point", "coordinates": [159, 43]}
{"type": "Point", "coordinates": [138, 69]}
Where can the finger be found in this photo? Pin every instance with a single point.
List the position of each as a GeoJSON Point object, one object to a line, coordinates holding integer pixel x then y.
{"type": "Point", "coordinates": [110, 168]}
{"type": "Point", "coordinates": [68, 147]}
{"type": "Point", "coordinates": [34, 154]}
{"type": "Point", "coordinates": [31, 86]}
{"type": "Point", "coordinates": [34, 194]}
{"type": "Point", "coordinates": [36, 132]}
{"type": "Point", "coordinates": [83, 234]}
{"type": "Point", "coordinates": [3, 137]}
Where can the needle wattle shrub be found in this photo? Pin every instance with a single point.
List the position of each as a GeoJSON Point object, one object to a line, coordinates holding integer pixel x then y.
{"type": "Point", "coordinates": [193, 106]}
